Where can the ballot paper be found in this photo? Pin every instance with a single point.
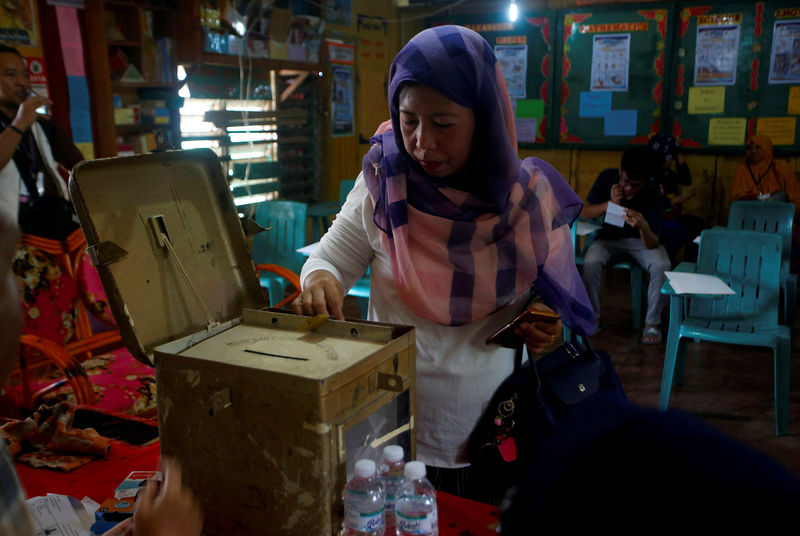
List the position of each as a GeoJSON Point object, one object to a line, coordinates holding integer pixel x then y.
{"type": "Point", "coordinates": [584, 228]}
{"type": "Point", "coordinates": [689, 283]}
{"type": "Point", "coordinates": [59, 515]}
{"type": "Point", "coordinates": [615, 215]}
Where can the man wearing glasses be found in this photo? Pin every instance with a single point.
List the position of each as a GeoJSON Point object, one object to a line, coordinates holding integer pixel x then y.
{"type": "Point", "coordinates": [632, 188]}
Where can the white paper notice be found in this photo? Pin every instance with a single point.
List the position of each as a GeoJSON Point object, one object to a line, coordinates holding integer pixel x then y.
{"type": "Point", "coordinates": [55, 515]}
{"type": "Point", "coordinates": [526, 129]}
{"type": "Point", "coordinates": [615, 215]}
{"type": "Point", "coordinates": [688, 283]}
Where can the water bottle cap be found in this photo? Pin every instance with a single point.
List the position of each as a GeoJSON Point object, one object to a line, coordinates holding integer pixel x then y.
{"type": "Point", "coordinates": [414, 470]}
{"type": "Point", "coordinates": [392, 453]}
{"type": "Point", "coordinates": [365, 468]}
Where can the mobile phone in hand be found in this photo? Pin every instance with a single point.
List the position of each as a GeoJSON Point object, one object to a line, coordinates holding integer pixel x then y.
{"type": "Point", "coordinates": [506, 337]}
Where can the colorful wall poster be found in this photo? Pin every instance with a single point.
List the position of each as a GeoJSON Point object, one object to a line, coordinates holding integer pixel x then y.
{"type": "Point", "coordinates": [707, 100]}
{"type": "Point", "coordinates": [716, 54]}
{"type": "Point", "coordinates": [784, 64]}
{"type": "Point", "coordinates": [342, 117]}
{"type": "Point", "coordinates": [18, 23]}
{"type": "Point", "coordinates": [727, 130]}
{"type": "Point", "coordinates": [513, 60]}
{"type": "Point", "coordinates": [610, 61]}
{"type": "Point", "coordinates": [339, 12]}
{"type": "Point", "coordinates": [779, 129]}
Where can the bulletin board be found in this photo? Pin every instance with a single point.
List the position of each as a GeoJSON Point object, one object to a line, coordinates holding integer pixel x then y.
{"type": "Point", "coordinates": [614, 74]}
{"type": "Point", "coordinates": [737, 74]}
{"type": "Point", "coordinates": [525, 50]}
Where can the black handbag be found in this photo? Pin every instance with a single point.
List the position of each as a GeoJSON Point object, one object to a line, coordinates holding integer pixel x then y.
{"type": "Point", "coordinates": [539, 399]}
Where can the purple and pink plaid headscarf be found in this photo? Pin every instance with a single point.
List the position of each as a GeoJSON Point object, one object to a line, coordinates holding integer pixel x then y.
{"type": "Point", "coordinates": [457, 257]}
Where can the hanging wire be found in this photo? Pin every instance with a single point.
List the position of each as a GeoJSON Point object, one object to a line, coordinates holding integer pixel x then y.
{"type": "Point", "coordinates": [402, 19]}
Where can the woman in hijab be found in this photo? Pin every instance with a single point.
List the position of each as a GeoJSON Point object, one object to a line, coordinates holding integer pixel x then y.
{"type": "Point", "coordinates": [762, 177]}
{"type": "Point", "coordinates": [459, 236]}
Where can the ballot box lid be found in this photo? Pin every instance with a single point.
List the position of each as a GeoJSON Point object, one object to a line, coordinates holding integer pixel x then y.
{"type": "Point", "coordinates": [165, 236]}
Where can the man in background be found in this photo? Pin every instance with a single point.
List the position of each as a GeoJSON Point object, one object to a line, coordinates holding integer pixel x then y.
{"type": "Point", "coordinates": [631, 186]}
{"type": "Point", "coordinates": [31, 149]}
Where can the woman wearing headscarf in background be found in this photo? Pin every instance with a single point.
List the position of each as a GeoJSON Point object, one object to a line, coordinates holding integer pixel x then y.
{"type": "Point", "coordinates": [762, 177]}
{"type": "Point", "coordinates": [459, 236]}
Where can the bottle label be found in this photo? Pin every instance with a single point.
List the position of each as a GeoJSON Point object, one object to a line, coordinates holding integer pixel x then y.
{"type": "Point", "coordinates": [411, 523]}
{"type": "Point", "coordinates": [364, 521]}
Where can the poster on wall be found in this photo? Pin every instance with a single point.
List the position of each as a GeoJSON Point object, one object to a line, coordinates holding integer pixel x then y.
{"type": "Point", "coordinates": [716, 53]}
{"type": "Point", "coordinates": [784, 65]}
{"type": "Point", "coordinates": [339, 12]}
{"type": "Point", "coordinates": [513, 60]}
{"type": "Point", "coordinates": [18, 23]}
{"type": "Point", "coordinates": [610, 61]}
{"type": "Point", "coordinates": [38, 76]}
{"type": "Point", "coordinates": [342, 120]}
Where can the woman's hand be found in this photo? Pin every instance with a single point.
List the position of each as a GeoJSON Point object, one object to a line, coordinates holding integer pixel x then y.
{"type": "Point", "coordinates": [322, 294]}
{"type": "Point", "coordinates": [540, 337]}
{"type": "Point", "coordinates": [168, 510]}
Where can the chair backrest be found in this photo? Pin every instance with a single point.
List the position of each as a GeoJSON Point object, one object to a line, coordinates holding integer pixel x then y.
{"type": "Point", "coordinates": [766, 217]}
{"type": "Point", "coordinates": [286, 224]}
{"type": "Point", "coordinates": [344, 188]}
{"type": "Point", "coordinates": [749, 263]}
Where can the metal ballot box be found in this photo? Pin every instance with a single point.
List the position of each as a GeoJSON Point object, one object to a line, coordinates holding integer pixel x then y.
{"type": "Point", "coordinates": [266, 411]}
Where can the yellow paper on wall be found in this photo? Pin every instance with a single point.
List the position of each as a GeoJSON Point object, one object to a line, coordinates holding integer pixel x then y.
{"type": "Point", "coordinates": [780, 129]}
{"type": "Point", "coordinates": [794, 101]}
{"type": "Point", "coordinates": [726, 130]}
{"type": "Point", "coordinates": [707, 100]}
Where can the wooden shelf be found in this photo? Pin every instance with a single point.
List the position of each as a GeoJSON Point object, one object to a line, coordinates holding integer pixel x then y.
{"type": "Point", "coordinates": [132, 17]}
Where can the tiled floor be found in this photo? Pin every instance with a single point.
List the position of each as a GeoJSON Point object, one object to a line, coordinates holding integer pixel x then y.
{"type": "Point", "coordinates": [730, 387]}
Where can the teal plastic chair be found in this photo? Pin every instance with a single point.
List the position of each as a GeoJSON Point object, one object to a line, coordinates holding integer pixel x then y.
{"type": "Point", "coordinates": [776, 218]}
{"type": "Point", "coordinates": [321, 213]}
{"type": "Point", "coordinates": [636, 273]}
{"type": "Point", "coordinates": [285, 222]}
{"type": "Point", "coordinates": [749, 263]}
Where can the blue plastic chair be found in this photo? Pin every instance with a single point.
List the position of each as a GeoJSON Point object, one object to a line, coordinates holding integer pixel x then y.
{"type": "Point", "coordinates": [749, 263]}
{"type": "Point", "coordinates": [286, 232]}
{"type": "Point", "coordinates": [636, 271]}
{"type": "Point", "coordinates": [321, 213]}
{"type": "Point", "coordinates": [776, 218]}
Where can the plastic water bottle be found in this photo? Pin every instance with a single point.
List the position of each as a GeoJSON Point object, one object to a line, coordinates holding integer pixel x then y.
{"type": "Point", "coordinates": [364, 499]}
{"type": "Point", "coordinates": [415, 505]}
{"type": "Point", "coordinates": [391, 475]}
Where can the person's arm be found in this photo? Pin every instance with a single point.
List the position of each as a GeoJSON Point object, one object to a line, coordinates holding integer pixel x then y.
{"type": "Point", "coordinates": [594, 207]}
{"type": "Point", "coordinates": [637, 220]}
{"type": "Point", "coordinates": [682, 173]}
{"type": "Point", "coordinates": [788, 179]}
{"type": "Point", "coordinates": [26, 116]}
{"type": "Point", "coordinates": [343, 254]}
{"type": "Point", "coordinates": [741, 186]}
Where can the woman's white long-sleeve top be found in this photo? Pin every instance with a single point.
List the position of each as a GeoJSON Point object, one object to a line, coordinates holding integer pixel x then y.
{"type": "Point", "coordinates": [457, 373]}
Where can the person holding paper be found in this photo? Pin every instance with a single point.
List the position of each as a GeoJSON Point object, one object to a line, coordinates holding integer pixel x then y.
{"type": "Point", "coordinates": [762, 177]}
{"type": "Point", "coordinates": [631, 191]}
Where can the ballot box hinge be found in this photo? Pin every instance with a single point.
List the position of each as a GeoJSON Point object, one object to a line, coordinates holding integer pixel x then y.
{"type": "Point", "coordinates": [159, 230]}
{"type": "Point", "coordinates": [104, 253]}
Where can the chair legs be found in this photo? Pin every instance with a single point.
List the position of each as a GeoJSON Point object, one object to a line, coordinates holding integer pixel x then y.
{"type": "Point", "coordinates": [782, 373]}
{"type": "Point", "coordinates": [637, 277]}
{"type": "Point", "coordinates": [674, 364]}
